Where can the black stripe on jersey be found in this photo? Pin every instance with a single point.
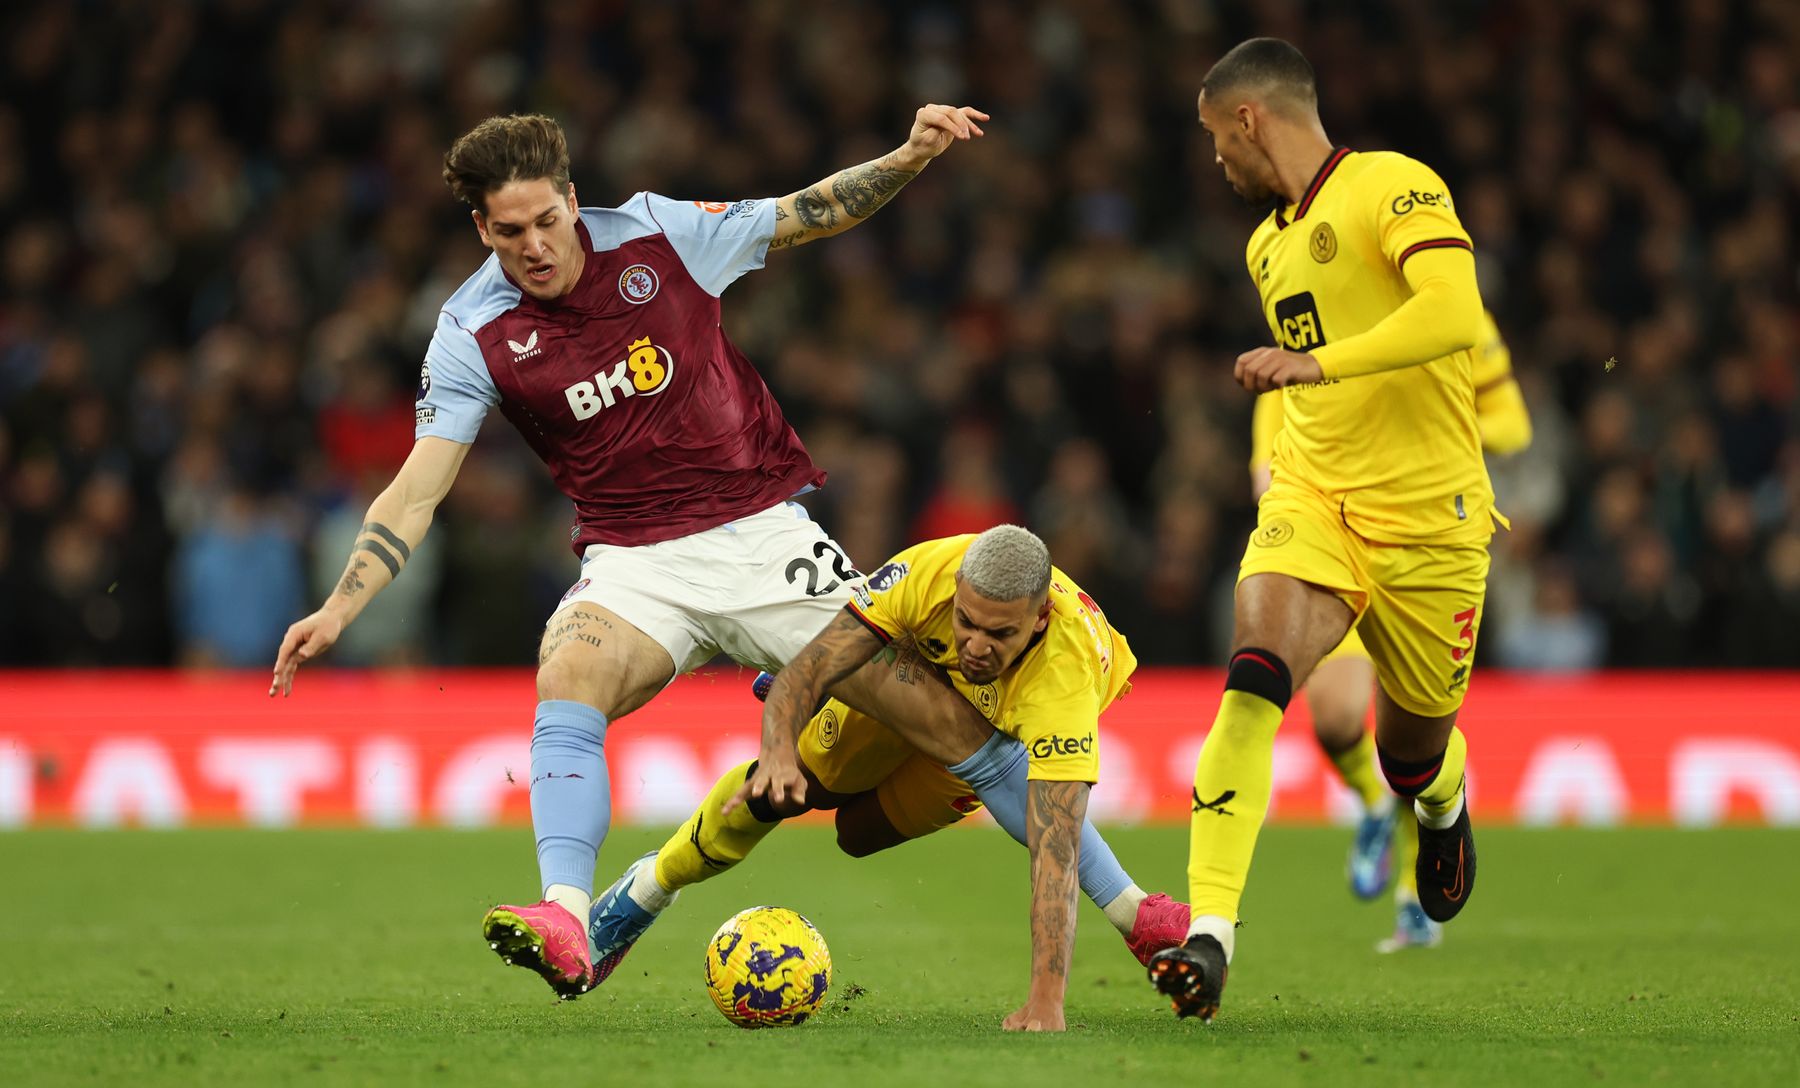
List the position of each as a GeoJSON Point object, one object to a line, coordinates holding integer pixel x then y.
{"type": "Point", "coordinates": [869, 623]}
{"type": "Point", "coordinates": [1435, 243]}
{"type": "Point", "coordinates": [1330, 164]}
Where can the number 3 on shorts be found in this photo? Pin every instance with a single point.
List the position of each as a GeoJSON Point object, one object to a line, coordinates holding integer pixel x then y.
{"type": "Point", "coordinates": [803, 567]}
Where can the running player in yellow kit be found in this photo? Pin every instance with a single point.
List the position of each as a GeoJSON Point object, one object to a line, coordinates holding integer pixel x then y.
{"type": "Point", "coordinates": [1378, 511]}
{"type": "Point", "coordinates": [1341, 687]}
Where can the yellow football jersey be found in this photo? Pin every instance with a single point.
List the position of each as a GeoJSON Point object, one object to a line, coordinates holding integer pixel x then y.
{"type": "Point", "coordinates": [1499, 406]}
{"type": "Point", "coordinates": [1397, 452]}
{"type": "Point", "coordinates": [1051, 697]}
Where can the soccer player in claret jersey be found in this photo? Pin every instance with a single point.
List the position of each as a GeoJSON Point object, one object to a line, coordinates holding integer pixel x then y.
{"type": "Point", "coordinates": [1378, 511]}
{"type": "Point", "coordinates": [1342, 685]}
{"type": "Point", "coordinates": [596, 332]}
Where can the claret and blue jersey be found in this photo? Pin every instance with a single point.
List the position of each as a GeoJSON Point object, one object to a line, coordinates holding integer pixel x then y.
{"type": "Point", "coordinates": [651, 421]}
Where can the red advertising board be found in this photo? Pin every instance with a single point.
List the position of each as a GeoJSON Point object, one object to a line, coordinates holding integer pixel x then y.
{"type": "Point", "coordinates": [452, 748]}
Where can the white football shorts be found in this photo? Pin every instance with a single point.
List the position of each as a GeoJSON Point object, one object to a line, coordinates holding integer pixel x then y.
{"type": "Point", "coordinates": [756, 589]}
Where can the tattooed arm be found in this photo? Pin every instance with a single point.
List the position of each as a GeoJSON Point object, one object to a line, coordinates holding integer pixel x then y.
{"type": "Point", "coordinates": [393, 527]}
{"type": "Point", "coordinates": [834, 653]}
{"type": "Point", "coordinates": [1053, 815]}
{"type": "Point", "coordinates": [846, 198]}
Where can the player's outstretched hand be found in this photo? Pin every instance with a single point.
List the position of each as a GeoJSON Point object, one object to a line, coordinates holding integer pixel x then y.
{"type": "Point", "coordinates": [305, 640]}
{"type": "Point", "coordinates": [1265, 369]}
{"type": "Point", "coordinates": [1036, 1016]}
{"type": "Point", "coordinates": [936, 127]}
{"type": "Point", "coordinates": [778, 777]}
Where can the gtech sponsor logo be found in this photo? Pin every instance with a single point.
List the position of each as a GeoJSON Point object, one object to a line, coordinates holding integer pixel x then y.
{"type": "Point", "coordinates": [645, 371]}
{"type": "Point", "coordinates": [1053, 745]}
{"type": "Point", "coordinates": [1407, 201]}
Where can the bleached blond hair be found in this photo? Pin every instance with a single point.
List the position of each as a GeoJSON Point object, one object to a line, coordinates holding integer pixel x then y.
{"type": "Point", "coordinates": [1007, 563]}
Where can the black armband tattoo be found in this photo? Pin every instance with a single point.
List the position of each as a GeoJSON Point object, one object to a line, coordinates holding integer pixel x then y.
{"type": "Point", "coordinates": [390, 536]}
{"type": "Point", "coordinates": [381, 553]}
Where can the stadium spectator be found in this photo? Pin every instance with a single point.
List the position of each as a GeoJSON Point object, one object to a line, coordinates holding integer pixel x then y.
{"type": "Point", "coordinates": [215, 269]}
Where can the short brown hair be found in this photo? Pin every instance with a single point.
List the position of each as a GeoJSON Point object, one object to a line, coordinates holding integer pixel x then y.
{"type": "Point", "coordinates": [519, 147]}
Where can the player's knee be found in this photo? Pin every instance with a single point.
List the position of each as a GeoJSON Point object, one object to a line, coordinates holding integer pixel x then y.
{"type": "Point", "coordinates": [855, 841]}
{"type": "Point", "coordinates": [1259, 672]}
{"type": "Point", "coordinates": [1408, 777]}
{"type": "Point", "coordinates": [558, 678]}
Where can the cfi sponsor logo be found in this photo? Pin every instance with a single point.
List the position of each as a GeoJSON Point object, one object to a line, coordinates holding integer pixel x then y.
{"type": "Point", "coordinates": [645, 371]}
{"type": "Point", "coordinates": [638, 284]}
{"type": "Point", "coordinates": [527, 349]}
{"type": "Point", "coordinates": [1407, 201]}
{"type": "Point", "coordinates": [1054, 745]}
{"type": "Point", "coordinates": [888, 577]}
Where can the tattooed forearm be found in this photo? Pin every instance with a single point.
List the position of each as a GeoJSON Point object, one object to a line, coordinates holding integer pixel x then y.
{"type": "Point", "coordinates": [862, 189]}
{"type": "Point", "coordinates": [834, 653]}
{"type": "Point", "coordinates": [352, 582]}
{"type": "Point", "coordinates": [1053, 815]}
{"type": "Point", "coordinates": [815, 210]}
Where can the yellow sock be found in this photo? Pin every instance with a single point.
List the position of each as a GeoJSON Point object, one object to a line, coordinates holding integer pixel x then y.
{"type": "Point", "coordinates": [1406, 860]}
{"type": "Point", "coordinates": [711, 842]}
{"type": "Point", "coordinates": [1439, 798]}
{"type": "Point", "coordinates": [1231, 796]}
{"type": "Point", "coordinates": [1356, 765]}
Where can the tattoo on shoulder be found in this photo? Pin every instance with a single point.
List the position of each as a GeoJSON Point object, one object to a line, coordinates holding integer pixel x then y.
{"type": "Point", "coordinates": [814, 210]}
{"type": "Point", "coordinates": [862, 189]}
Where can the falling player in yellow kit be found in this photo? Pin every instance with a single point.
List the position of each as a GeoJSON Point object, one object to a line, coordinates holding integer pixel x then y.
{"type": "Point", "coordinates": [1378, 511]}
{"type": "Point", "coordinates": [1026, 647]}
{"type": "Point", "coordinates": [1340, 689]}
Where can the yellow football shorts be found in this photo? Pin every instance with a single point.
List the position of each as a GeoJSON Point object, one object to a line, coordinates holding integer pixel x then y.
{"type": "Point", "coordinates": [1418, 606]}
{"type": "Point", "coordinates": [849, 752]}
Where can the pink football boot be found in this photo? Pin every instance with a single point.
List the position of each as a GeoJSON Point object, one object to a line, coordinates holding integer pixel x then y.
{"type": "Point", "coordinates": [1161, 923]}
{"type": "Point", "coordinates": [548, 939]}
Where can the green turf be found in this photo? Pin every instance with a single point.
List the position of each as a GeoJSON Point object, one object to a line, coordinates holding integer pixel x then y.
{"type": "Point", "coordinates": [331, 957]}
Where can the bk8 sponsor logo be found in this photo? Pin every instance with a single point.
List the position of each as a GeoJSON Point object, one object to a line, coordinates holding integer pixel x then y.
{"type": "Point", "coordinates": [645, 371]}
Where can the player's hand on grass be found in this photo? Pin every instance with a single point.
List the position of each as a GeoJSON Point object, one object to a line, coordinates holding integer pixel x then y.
{"type": "Point", "coordinates": [936, 127]}
{"type": "Point", "coordinates": [305, 640]}
{"type": "Point", "coordinates": [1266, 369]}
{"type": "Point", "coordinates": [1036, 1015]}
{"type": "Point", "coordinates": [778, 777]}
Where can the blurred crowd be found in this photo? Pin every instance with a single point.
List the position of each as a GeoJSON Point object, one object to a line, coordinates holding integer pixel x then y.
{"type": "Point", "coordinates": [224, 240]}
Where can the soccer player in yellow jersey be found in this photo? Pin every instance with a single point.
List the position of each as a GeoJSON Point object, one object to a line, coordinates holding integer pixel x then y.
{"type": "Point", "coordinates": [1378, 511]}
{"type": "Point", "coordinates": [1339, 691]}
{"type": "Point", "coordinates": [1034, 654]}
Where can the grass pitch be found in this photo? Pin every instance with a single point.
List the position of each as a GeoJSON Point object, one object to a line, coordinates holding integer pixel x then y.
{"type": "Point", "coordinates": [227, 957]}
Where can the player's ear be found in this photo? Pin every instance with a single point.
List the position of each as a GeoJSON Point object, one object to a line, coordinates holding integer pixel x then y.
{"type": "Point", "coordinates": [481, 227]}
{"type": "Point", "coordinates": [574, 207]}
{"type": "Point", "coordinates": [1043, 616]}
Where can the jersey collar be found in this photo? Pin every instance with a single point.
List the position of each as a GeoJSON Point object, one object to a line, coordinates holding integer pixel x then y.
{"type": "Point", "coordinates": [1338, 154]}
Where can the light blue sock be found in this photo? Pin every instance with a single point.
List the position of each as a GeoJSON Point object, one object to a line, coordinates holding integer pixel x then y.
{"type": "Point", "coordinates": [997, 774]}
{"type": "Point", "coordinates": [571, 800]}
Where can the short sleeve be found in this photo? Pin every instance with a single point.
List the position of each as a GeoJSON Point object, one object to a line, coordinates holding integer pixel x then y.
{"type": "Point", "coordinates": [887, 601]}
{"type": "Point", "coordinates": [716, 241]}
{"type": "Point", "coordinates": [1415, 212]}
{"type": "Point", "coordinates": [1058, 720]}
{"type": "Point", "coordinates": [455, 388]}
